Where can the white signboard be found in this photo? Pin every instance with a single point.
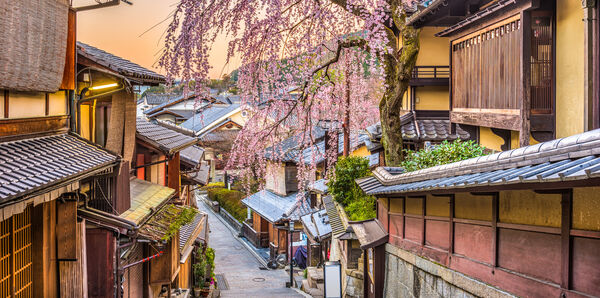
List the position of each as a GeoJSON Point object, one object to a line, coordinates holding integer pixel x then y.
{"type": "Point", "coordinates": [333, 279]}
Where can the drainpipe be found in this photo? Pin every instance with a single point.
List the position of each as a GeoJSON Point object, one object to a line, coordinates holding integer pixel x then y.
{"type": "Point", "coordinates": [590, 24]}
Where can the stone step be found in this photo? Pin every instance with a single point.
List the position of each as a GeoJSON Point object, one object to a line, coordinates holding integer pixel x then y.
{"type": "Point", "coordinates": [314, 292]}
{"type": "Point", "coordinates": [315, 276]}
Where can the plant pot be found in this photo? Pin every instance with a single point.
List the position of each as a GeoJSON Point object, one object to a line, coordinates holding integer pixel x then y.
{"type": "Point", "coordinates": [204, 292]}
{"type": "Point", "coordinates": [197, 292]}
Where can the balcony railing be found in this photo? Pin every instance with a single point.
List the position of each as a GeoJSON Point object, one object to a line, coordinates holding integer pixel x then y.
{"type": "Point", "coordinates": [436, 75]}
{"type": "Point", "coordinates": [257, 239]}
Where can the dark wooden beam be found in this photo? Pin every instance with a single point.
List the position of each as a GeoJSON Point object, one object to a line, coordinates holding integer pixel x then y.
{"type": "Point", "coordinates": [5, 103]}
{"type": "Point", "coordinates": [451, 228]}
{"type": "Point", "coordinates": [30, 126]}
{"type": "Point", "coordinates": [47, 104]}
{"type": "Point", "coordinates": [524, 130]}
{"type": "Point", "coordinates": [495, 120]}
{"type": "Point", "coordinates": [567, 198]}
{"type": "Point", "coordinates": [495, 205]}
{"type": "Point", "coordinates": [505, 135]}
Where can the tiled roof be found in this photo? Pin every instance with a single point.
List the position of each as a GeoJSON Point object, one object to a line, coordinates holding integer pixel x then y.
{"type": "Point", "coordinates": [173, 101]}
{"type": "Point", "coordinates": [200, 176]}
{"type": "Point", "coordinates": [567, 159]}
{"type": "Point", "coordinates": [119, 65]}
{"type": "Point", "coordinates": [317, 225]}
{"type": "Point", "coordinates": [159, 98]}
{"type": "Point", "coordinates": [208, 116]}
{"type": "Point", "coordinates": [163, 138]}
{"type": "Point", "coordinates": [175, 127]}
{"type": "Point", "coordinates": [192, 156]}
{"type": "Point", "coordinates": [319, 186]}
{"type": "Point", "coordinates": [370, 233]}
{"type": "Point", "coordinates": [33, 164]}
{"type": "Point", "coordinates": [188, 233]}
{"type": "Point", "coordinates": [219, 136]}
{"type": "Point", "coordinates": [337, 226]}
{"type": "Point", "coordinates": [432, 130]}
{"type": "Point", "coordinates": [145, 197]}
{"type": "Point", "coordinates": [275, 208]}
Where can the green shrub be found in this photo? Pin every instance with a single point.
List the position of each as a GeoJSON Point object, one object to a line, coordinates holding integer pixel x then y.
{"type": "Point", "coordinates": [213, 185]}
{"type": "Point", "coordinates": [444, 153]}
{"type": "Point", "coordinates": [345, 191]}
{"type": "Point", "coordinates": [230, 200]}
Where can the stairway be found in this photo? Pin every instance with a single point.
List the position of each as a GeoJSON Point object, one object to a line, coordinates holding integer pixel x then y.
{"type": "Point", "coordinates": [314, 283]}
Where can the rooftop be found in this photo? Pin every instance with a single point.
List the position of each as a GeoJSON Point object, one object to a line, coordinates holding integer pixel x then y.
{"type": "Point", "coordinates": [275, 208]}
{"type": "Point", "coordinates": [208, 116]}
{"type": "Point", "coordinates": [145, 197]}
{"type": "Point", "coordinates": [163, 138]}
{"type": "Point", "coordinates": [573, 158]}
{"type": "Point", "coordinates": [119, 65]}
{"type": "Point", "coordinates": [30, 165]}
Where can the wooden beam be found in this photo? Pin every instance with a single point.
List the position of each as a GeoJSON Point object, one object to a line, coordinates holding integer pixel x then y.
{"type": "Point", "coordinates": [451, 228]}
{"type": "Point", "coordinates": [495, 205]}
{"type": "Point", "coordinates": [566, 201]}
{"type": "Point", "coordinates": [5, 103]}
{"type": "Point", "coordinates": [47, 104]}
{"type": "Point", "coordinates": [173, 169]}
{"type": "Point", "coordinates": [423, 211]}
{"type": "Point", "coordinates": [66, 230]}
{"type": "Point", "coordinates": [525, 129]}
{"type": "Point", "coordinates": [495, 120]}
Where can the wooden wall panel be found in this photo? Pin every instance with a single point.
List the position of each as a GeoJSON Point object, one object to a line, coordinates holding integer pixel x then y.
{"type": "Point", "coordinates": [73, 274]}
{"type": "Point", "coordinates": [395, 228]}
{"type": "Point", "coordinates": [101, 246]}
{"type": "Point", "coordinates": [66, 230]}
{"type": "Point", "coordinates": [531, 253]}
{"type": "Point", "coordinates": [436, 234]}
{"type": "Point", "coordinates": [586, 208]}
{"type": "Point", "coordinates": [21, 126]}
{"type": "Point", "coordinates": [586, 265]}
{"type": "Point", "coordinates": [473, 241]}
{"type": "Point", "coordinates": [382, 214]}
{"type": "Point", "coordinates": [44, 250]}
{"type": "Point", "coordinates": [414, 206]}
{"type": "Point", "coordinates": [414, 229]}
{"type": "Point", "coordinates": [396, 205]}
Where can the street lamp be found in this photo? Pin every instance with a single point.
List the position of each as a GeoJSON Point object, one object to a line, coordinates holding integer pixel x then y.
{"type": "Point", "coordinates": [291, 284]}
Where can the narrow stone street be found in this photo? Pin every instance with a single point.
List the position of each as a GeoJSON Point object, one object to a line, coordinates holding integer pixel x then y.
{"type": "Point", "coordinates": [240, 269]}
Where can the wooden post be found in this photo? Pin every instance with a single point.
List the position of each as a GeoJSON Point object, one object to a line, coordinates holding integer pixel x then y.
{"type": "Point", "coordinates": [66, 230]}
{"type": "Point", "coordinates": [565, 225]}
{"type": "Point", "coordinates": [524, 133]}
{"type": "Point", "coordinates": [424, 199]}
{"type": "Point", "coordinates": [173, 172]}
{"type": "Point", "coordinates": [5, 103]}
{"type": "Point", "coordinates": [451, 227]}
{"type": "Point", "coordinates": [495, 198]}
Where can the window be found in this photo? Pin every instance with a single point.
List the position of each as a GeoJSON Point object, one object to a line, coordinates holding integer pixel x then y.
{"type": "Point", "coordinates": [15, 256]}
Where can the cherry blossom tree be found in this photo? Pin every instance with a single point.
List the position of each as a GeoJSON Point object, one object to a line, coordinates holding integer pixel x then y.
{"type": "Point", "coordinates": [303, 61]}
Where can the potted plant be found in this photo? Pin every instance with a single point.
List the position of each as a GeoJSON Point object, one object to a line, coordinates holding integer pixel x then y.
{"type": "Point", "coordinates": [199, 269]}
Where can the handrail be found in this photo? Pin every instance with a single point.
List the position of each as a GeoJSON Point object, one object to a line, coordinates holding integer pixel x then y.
{"type": "Point", "coordinates": [431, 72]}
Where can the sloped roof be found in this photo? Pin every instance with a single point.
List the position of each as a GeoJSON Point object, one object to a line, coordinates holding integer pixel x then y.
{"type": "Point", "coordinates": [163, 138]}
{"type": "Point", "coordinates": [119, 65]}
{"type": "Point", "coordinates": [317, 225]}
{"type": "Point", "coordinates": [336, 223]}
{"type": "Point", "coordinates": [159, 224]}
{"type": "Point", "coordinates": [192, 156]}
{"type": "Point", "coordinates": [370, 233]}
{"type": "Point", "coordinates": [210, 115]}
{"type": "Point", "coordinates": [319, 186]}
{"type": "Point", "coordinates": [159, 98]}
{"type": "Point", "coordinates": [190, 232]}
{"type": "Point", "coordinates": [33, 164]}
{"type": "Point", "coordinates": [568, 159]}
{"type": "Point", "coordinates": [145, 197]}
{"type": "Point", "coordinates": [219, 136]}
{"type": "Point", "coordinates": [275, 208]}
{"type": "Point", "coordinates": [200, 176]}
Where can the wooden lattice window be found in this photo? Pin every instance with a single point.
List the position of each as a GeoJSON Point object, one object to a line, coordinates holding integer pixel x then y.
{"type": "Point", "coordinates": [15, 256]}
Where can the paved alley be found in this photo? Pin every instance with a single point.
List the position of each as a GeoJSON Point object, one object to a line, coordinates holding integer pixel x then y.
{"type": "Point", "coordinates": [240, 268]}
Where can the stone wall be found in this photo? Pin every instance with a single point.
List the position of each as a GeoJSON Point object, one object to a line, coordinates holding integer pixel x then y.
{"type": "Point", "coordinates": [408, 275]}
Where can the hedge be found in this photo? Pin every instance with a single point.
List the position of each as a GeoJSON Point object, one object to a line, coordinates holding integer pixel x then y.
{"type": "Point", "coordinates": [230, 200]}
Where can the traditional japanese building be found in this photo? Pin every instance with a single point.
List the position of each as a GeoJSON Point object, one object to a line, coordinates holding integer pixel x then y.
{"type": "Point", "coordinates": [520, 71]}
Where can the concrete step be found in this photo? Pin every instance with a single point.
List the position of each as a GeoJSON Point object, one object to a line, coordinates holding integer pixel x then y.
{"type": "Point", "coordinates": [314, 292]}
{"type": "Point", "coordinates": [314, 276]}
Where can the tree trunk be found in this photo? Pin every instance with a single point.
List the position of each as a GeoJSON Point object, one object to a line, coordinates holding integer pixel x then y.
{"type": "Point", "coordinates": [398, 71]}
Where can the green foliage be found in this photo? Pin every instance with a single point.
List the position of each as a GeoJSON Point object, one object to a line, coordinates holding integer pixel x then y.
{"type": "Point", "coordinates": [184, 218]}
{"type": "Point", "coordinates": [155, 89]}
{"type": "Point", "coordinates": [345, 191]}
{"type": "Point", "coordinates": [204, 266]}
{"type": "Point", "coordinates": [230, 200]}
{"type": "Point", "coordinates": [213, 185]}
{"type": "Point", "coordinates": [443, 153]}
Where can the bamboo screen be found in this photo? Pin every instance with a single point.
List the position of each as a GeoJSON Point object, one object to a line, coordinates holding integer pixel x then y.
{"type": "Point", "coordinates": [16, 256]}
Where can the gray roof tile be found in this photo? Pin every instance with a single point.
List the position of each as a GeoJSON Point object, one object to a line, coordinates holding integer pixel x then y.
{"type": "Point", "coordinates": [275, 208]}
{"type": "Point", "coordinates": [32, 164]}
{"type": "Point", "coordinates": [163, 138]}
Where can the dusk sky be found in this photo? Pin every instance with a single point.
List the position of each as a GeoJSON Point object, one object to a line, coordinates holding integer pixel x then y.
{"type": "Point", "coordinates": [117, 30]}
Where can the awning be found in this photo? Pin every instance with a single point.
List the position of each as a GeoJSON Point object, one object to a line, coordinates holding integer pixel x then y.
{"type": "Point", "coordinates": [188, 234]}
{"type": "Point", "coordinates": [145, 197]}
{"type": "Point", "coordinates": [35, 166]}
{"type": "Point", "coordinates": [275, 208]}
{"type": "Point", "coordinates": [165, 223]}
{"type": "Point", "coordinates": [370, 233]}
{"type": "Point", "coordinates": [319, 186]}
{"type": "Point", "coordinates": [167, 140]}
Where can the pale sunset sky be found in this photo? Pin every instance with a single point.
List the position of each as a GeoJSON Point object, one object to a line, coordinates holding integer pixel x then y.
{"type": "Point", "coordinates": [117, 30]}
